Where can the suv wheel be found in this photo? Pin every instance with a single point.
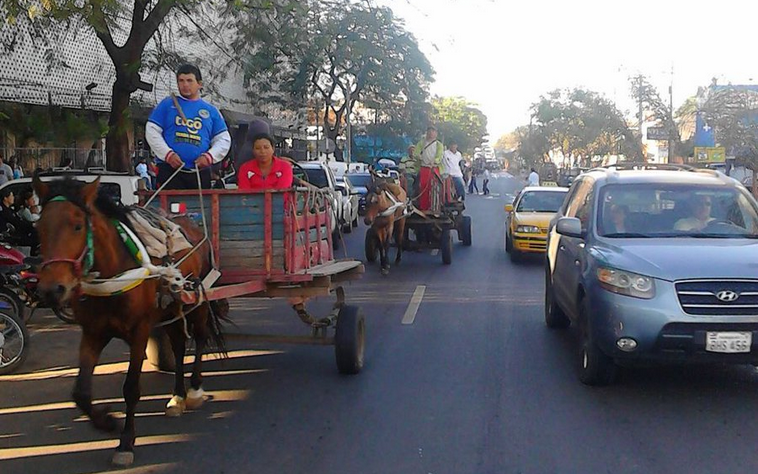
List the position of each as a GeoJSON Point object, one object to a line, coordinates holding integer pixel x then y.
{"type": "Point", "coordinates": [595, 367]}
{"type": "Point", "coordinates": [555, 318]}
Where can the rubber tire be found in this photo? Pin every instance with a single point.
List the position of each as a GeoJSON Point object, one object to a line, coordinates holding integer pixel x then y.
{"type": "Point", "coordinates": [464, 232]}
{"type": "Point", "coordinates": [65, 315]}
{"type": "Point", "coordinates": [17, 306]}
{"type": "Point", "coordinates": [555, 318]}
{"type": "Point", "coordinates": [370, 248]}
{"type": "Point", "coordinates": [446, 246]}
{"type": "Point", "coordinates": [595, 367]}
{"type": "Point", "coordinates": [350, 340]}
{"type": "Point", "coordinates": [21, 328]}
{"type": "Point", "coordinates": [516, 256]}
{"type": "Point", "coordinates": [347, 228]}
{"type": "Point", "coordinates": [508, 243]}
{"type": "Point", "coordinates": [159, 352]}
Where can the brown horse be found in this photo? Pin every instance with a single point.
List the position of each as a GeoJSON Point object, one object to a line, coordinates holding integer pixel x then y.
{"type": "Point", "coordinates": [79, 239]}
{"type": "Point", "coordinates": [385, 224]}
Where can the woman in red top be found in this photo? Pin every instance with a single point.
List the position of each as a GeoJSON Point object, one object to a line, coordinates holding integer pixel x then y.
{"type": "Point", "coordinates": [264, 171]}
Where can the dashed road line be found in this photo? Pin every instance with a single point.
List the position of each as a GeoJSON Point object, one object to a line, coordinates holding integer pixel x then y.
{"type": "Point", "coordinates": [410, 313]}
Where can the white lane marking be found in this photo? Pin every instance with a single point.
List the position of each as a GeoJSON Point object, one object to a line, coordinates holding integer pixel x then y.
{"type": "Point", "coordinates": [435, 252]}
{"type": "Point", "coordinates": [410, 313]}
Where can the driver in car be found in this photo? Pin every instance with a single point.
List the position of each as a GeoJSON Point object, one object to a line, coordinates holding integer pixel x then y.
{"type": "Point", "coordinates": [701, 215]}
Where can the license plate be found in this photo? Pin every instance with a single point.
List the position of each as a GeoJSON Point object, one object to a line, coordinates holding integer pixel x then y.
{"type": "Point", "coordinates": [728, 342]}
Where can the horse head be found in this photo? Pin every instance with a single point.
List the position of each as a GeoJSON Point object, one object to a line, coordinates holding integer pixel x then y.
{"type": "Point", "coordinates": [376, 202]}
{"type": "Point", "coordinates": [66, 237]}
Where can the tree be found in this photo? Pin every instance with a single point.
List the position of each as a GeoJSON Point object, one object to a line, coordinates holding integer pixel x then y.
{"type": "Point", "coordinates": [339, 51]}
{"type": "Point", "coordinates": [507, 141]}
{"type": "Point", "coordinates": [733, 113]}
{"type": "Point", "coordinates": [49, 21]}
{"type": "Point", "coordinates": [581, 124]}
{"type": "Point", "coordinates": [457, 119]}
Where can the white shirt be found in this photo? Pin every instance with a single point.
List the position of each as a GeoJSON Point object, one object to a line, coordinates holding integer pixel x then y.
{"type": "Point", "coordinates": [452, 163]}
{"type": "Point", "coordinates": [534, 179]}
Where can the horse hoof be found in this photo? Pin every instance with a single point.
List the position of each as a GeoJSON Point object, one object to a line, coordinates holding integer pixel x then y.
{"type": "Point", "coordinates": [175, 407]}
{"type": "Point", "coordinates": [123, 458]}
{"type": "Point", "coordinates": [385, 271]}
{"type": "Point", "coordinates": [195, 399]}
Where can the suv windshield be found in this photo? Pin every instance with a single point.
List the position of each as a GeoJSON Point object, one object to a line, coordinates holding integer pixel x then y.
{"type": "Point", "coordinates": [317, 177]}
{"type": "Point", "coordinates": [541, 201]}
{"type": "Point", "coordinates": [673, 210]}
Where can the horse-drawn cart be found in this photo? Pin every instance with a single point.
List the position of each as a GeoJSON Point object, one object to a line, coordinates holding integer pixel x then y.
{"type": "Point", "coordinates": [275, 244]}
{"type": "Point", "coordinates": [433, 228]}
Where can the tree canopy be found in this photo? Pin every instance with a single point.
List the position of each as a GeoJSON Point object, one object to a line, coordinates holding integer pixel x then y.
{"type": "Point", "coordinates": [460, 120]}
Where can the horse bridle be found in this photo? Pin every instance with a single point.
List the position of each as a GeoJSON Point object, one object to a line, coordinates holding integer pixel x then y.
{"type": "Point", "coordinates": [83, 264]}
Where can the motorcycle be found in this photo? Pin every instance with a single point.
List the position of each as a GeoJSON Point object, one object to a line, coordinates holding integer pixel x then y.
{"type": "Point", "coordinates": [18, 285]}
{"type": "Point", "coordinates": [14, 340]}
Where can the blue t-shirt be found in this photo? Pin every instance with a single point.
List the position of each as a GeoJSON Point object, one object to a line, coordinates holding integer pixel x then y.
{"type": "Point", "coordinates": [192, 139]}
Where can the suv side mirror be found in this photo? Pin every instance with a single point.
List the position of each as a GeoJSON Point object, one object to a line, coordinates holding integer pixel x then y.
{"type": "Point", "coordinates": [570, 227]}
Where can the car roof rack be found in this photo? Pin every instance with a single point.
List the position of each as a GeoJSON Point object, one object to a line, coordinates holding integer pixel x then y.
{"type": "Point", "coordinates": [638, 165]}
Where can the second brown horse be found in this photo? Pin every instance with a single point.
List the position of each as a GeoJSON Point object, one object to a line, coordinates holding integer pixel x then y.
{"type": "Point", "coordinates": [384, 224]}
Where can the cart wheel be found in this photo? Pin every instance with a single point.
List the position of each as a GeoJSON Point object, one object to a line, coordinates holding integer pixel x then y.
{"type": "Point", "coordinates": [371, 250]}
{"type": "Point", "coordinates": [14, 342]}
{"type": "Point", "coordinates": [349, 339]}
{"type": "Point", "coordinates": [446, 246]}
{"type": "Point", "coordinates": [464, 230]}
{"type": "Point", "coordinates": [159, 352]}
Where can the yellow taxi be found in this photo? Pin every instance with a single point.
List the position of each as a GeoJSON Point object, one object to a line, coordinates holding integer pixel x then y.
{"type": "Point", "coordinates": [528, 217]}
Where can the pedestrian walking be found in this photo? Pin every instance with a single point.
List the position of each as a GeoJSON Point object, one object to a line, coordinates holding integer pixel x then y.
{"type": "Point", "coordinates": [142, 172]}
{"type": "Point", "coordinates": [18, 172]}
{"type": "Point", "coordinates": [472, 184]}
{"type": "Point", "coordinates": [534, 178]}
{"type": "Point", "coordinates": [187, 132]}
{"type": "Point", "coordinates": [6, 173]}
{"type": "Point", "coordinates": [486, 182]}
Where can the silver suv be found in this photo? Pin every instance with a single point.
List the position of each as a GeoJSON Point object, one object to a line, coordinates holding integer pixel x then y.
{"type": "Point", "coordinates": [655, 265]}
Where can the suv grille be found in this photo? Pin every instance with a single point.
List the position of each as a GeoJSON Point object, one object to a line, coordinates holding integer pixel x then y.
{"type": "Point", "coordinates": [718, 297]}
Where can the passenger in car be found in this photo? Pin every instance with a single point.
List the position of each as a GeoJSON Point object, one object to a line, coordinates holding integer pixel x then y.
{"type": "Point", "coordinates": [617, 223]}
{"type": "Point", "coordinates": [701, 215]}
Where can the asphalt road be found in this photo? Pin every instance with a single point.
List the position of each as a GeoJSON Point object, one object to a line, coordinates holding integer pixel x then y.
{"type": "Point", "coordinates": [476, 384]}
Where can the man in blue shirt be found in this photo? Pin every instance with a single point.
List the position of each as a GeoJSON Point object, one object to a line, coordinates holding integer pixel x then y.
{"type": "Point", "coordinates": [186, 132]}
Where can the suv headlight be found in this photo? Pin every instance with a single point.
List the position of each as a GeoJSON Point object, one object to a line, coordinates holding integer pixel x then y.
{"type": "Point", "coordinates": [626, 283]}
{"type": "Point", "coordinates": [528, 229]}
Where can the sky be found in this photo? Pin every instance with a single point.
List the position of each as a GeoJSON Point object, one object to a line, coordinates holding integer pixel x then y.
{"type": "Point", "coordinates": [504, 54]}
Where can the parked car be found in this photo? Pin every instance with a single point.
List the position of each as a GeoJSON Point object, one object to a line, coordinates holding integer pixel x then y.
{"type": "Point", "coordinates": [120, 186]}
{"type": "Point", "coordinates": [655, 265]}
{"type": "Point", "coordinates": [527, 219]}
{"type": "Point", "coordinates": [349, 203]}
{"type": "Point", "coordinates": [319, 175]}
{"type": "Point", "coordinates": [361, 182]}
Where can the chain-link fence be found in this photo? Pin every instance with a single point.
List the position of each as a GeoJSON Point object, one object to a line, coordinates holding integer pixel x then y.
{"type": "Point", "coordinates": [32, 158]}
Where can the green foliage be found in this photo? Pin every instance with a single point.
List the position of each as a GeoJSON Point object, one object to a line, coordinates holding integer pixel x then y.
{"type": "Point", "coordinates": [581, 124]}
{"type": "Point", "coordinates": [733, 112]}
{"type": "Point", "coordinates": [50, 125]}
{"type": "Point", "coordinates": [457, 119]}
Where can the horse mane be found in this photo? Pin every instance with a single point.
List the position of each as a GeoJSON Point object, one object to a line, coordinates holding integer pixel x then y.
{"type": "Point", "coordinates": [71, 189]}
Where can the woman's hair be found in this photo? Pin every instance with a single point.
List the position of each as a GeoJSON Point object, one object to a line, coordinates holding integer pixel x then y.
{"type": "Point", "coordinates": [263, 136]}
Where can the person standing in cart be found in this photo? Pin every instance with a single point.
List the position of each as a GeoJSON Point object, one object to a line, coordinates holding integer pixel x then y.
{"type": "Point", "coordinates": [185, 132]}
{"type": "Point", "coordinates": [430, 151]}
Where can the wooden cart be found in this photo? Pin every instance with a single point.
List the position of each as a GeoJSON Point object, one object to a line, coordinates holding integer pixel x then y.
{"type": "Point", "coordinates": [274, 244]}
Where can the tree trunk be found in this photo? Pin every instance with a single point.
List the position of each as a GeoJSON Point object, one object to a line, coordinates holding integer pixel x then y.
{"type": "Point", "coordinates": [117, 140]}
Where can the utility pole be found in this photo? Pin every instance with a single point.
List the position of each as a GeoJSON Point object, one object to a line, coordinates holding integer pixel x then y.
{"type": "Point", "coordinates": [672, 124]}
{"type": "Point", "coordinates": [639, 96]}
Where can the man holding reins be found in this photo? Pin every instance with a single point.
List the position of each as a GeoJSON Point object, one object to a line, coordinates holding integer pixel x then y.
{"type": "Point", "coordinates": [185, 132]}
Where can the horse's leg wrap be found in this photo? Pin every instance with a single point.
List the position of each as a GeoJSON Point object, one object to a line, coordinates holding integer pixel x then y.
{"type": "Point", "coordinates": [176, 406]}
{"type": "Point", "coordinates": [195, 398]}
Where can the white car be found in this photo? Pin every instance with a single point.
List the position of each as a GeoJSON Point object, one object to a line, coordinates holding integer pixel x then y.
{"type": "Point", "coordinates": [321, 176]}
{"type": "Point", "coordinates": [120, 186]}
{"type": "Point", "coordinates": [350, 204]}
